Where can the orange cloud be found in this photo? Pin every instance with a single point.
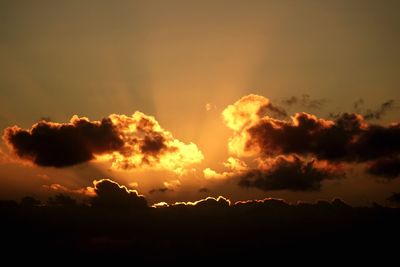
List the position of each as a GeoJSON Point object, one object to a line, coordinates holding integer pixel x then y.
{"type": "Point", "coordinates": [87, 191]}
{"type": "Point", "coordinates": [235, 166]}
{"type": "Point", "coordinates": [242, 115]}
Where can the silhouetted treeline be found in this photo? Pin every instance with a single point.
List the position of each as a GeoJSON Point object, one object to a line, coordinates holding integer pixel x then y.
{"type": "Point", "coordinates": [204, 231]}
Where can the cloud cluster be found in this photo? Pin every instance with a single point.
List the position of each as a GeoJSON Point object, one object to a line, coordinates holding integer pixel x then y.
{"type": "Point", "coordinates": [348, 138]}
{"type": "Point", "coordinates": [304, 150]}
{"type": "Point", "coordinates": [128, 142]}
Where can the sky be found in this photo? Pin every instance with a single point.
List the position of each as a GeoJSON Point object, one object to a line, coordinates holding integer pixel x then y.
{"type": "Point", "coordinates": [181, 100]}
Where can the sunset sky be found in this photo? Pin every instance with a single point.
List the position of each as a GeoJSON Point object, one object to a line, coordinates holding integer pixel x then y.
{"type": "Point", "coordinates": [181, 100]}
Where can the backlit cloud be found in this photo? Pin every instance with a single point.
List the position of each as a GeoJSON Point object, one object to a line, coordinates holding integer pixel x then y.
{"type": "Point", "coordinates": [289, 173]}
{"type": "Point", "coordinates": [128, 142]}
{"type": "Point", "coordinates": [348, 138]}
{"type": "Point", "coordinates": [87, 191]}
{"type": "Point", "coordinates": [111, 195]}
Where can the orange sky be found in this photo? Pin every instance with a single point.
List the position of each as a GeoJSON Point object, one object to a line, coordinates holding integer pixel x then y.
{"type": "Point", "coordinates": [184, 63]}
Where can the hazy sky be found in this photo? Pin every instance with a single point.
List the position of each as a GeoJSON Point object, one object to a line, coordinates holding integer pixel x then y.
{"type": "Point", "coordinates": [172, 59]}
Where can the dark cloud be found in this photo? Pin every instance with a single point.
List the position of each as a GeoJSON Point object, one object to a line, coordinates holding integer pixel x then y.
{"type": "Point", "coordinates": [379, 112]}
{"type": "Point", "coordinates": [348, 138]}
{"type": "Point", "coordinates": [160, 190]}
{"type": "Point", "coordinates": [111, 195]}
{"type": "Point", "coordinates": [61, 200]}
{"type": "Point", "coordinates": [304, 101]}
{"type": "Point", "coordinates": [153, 144]}
{"type": "Point", "coordinates": [61, 145]}
{"type": "Point", "coordinates": [289, 173]}
{"type": "Point", "coordinates": [373, 114]}
{"type": "Point", "coordinates": [204, 190]}
{"type": "Point", "coordinates": [358, 104]}
{"type": "Point", "coordinates": [388, 168]}
{"type": "Point", "coordinates": [275, 110]}
{"type": "Point", "coordinates": [394, 198]}
{"type": "Point", "coordinates": [29, 201]}
{"type": "Point", "coordinates": [128, 142]}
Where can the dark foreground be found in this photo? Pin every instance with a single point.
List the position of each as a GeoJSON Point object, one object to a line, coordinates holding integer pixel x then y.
{"type": "Point", "coordinates": [208, 233]}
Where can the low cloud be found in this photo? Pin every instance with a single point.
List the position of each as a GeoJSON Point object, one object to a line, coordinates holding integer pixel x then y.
{"type": "Point", "coordinates": [109, 194]}
{"type": "Point", "coordinates": [86, 191]}
{"type": "Point", "coordinates": [394, 198]}
{"type": "Point", "coordinates": [289, 173]}
{"type": "Point", "coordinates": [388, 168]}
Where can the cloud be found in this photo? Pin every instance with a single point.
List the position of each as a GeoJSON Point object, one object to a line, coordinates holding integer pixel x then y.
{"type": "Point", "coordinates": [160, 205]}
{"type": "Point", "coordinates": [373, 114]}
{"type": "Point", "coordinates": [289, 173]}
{"type": "Point", "coordinates": [380, 111]}
{"type": "Point", "coordinates": [169, 186]}
{"type": "Point", "coordinates": [388, 168]}
{"type": "Point", "coordinates": [209, 202]}
{"type": "Point", "coordinates": [134, 184]}
{"type": "Point", "coordinates": [234, 165]}
{"type": "Point", "coordinates": [86, 191]}
{"type": "Point", "coordinates": [358, 104]}
{"type": "Point", "coordinates": [60, 145]}
{"type": "Point", "coordinates": [394, 198]}
{"type": "Point", "coordinates": [29, 201]}
{"type": "Point", "coordinates": [211, 174]}
{"type": "Point", "coordinates": [348, 138]}
{"type": "Point", "coordinates": [160, 190]}
{"type": "Point", "coordinates": [304, 101]}
{"type": "Point", "coordinates": [61, 200]}
{"type": "Point", "coordinates": [172, 184]}
{"type": "Point", "coordinates": [111, 195]}
{"type": "Point", "coordinates": [267, 202]}
{"type": "Point", "coordinates": [241, 115]}
{"type": "Point", "coordinates": [128, 142]}
{"type": "Point", "coordinates": [203, 190]}
{"type": "Point", "coordinates": [3, 157]}
{"type": "Point", "coordinates": [210, 107]}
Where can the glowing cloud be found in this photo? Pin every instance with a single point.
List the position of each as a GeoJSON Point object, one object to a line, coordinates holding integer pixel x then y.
{"type": "Point", "coordinates": [235, 166]}
{"type": "Point", "coordinates": [87, 191]}
{"type": "Point", "coordinates": [128, 142]}
{"type": "Point", "coordinates": [349, 138]}
{"type": "Point", "coordinates": [207, 202]}
{"type": "Point", "coordinates": [242, 115]}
